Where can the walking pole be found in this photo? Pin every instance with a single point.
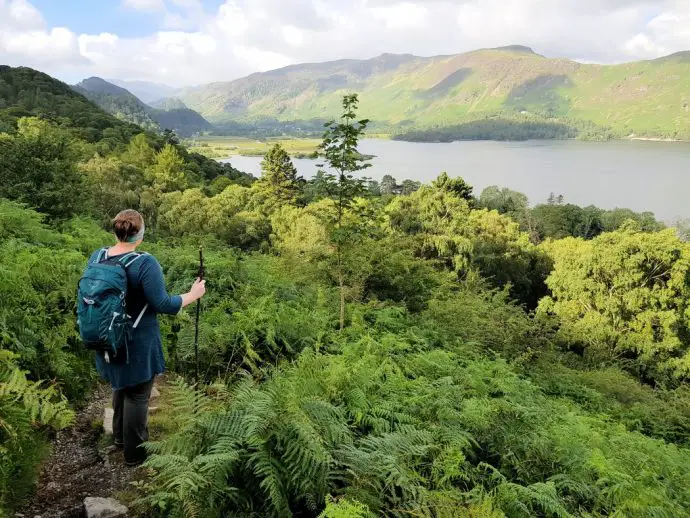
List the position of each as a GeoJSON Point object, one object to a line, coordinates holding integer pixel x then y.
{"type": "Point", "coordinates": [198, 312]}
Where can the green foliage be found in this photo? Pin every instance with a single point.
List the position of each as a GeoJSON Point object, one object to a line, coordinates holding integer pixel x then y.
{"type": "Point", "coordinates": [112, 184]}
{"type": "Point", "coordinates": [441, 397]}
{"type": "Point", "coordinates": [404, 427]}
{"type": "Point", "coordinates": [466, 241]}
{"type": "Point", "coordinates": [503, 201]}
{"type": "Point", "coordinates": [253, 315]}
{"type": "Point", "coordinates": [507, 126]}
{"type": "Point", "coordinates": [344, 509]}
{"type": "Point", "coordinates": [339, 150]}
{"type": "Point", "coordinates": [279, 177]}
{"type": "Point", "coordinates": [25, 92]}
{"type": "Point", "coordinates": [624, 295]}
{"type": "Point", "coordinates": [38, 166]}
{"type": "Point", "coordinates": [225, 215]}
{"type": "Point", "coordinates": [556, 220]}
{"type": "Point", "coordinates": [455, 186]}
{"type": "Point", "coordinates": [38, 273]}
{"type": "Point", "coordinates": [24, 406]}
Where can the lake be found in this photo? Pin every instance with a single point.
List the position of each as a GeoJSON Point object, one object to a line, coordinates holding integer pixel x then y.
{"type": "Point", "coordinates": [643, 176]}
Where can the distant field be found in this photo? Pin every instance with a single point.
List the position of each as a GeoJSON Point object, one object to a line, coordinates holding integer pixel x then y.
{"type": "Point", "coordinates": [221, 147]}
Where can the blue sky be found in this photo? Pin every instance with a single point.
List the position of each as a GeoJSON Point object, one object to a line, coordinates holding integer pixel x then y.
{"type": "Point", "coordinates": [189, 42]}
{"type": "Point", "coordinates": [84, 16]}
{"type": "Point", "coordinates": [95, 16]}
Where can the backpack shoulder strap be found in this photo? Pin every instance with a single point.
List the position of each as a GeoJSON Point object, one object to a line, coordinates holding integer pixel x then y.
{"type": "Point", "coordinates": [102, 254]}
{"type": "Point", "coordinates": [130, 259]}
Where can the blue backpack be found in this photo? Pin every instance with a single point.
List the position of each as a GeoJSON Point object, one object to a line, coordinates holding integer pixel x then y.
{"type": "Point", "coordinates": [104, 324]}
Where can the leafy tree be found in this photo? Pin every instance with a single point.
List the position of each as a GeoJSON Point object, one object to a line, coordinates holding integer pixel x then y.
{"type": "Point", "coordinates": [168, 171]}
{"type": "Point", "coordinates": [279, 176]}
{"type": "Point", "coordinates": [139, 153]}
{"type": "Point", "coordinates": [456, 186]}
{"type": "Point", "coordinates": [38, 166]}
{"type": "Point", "coordinates": [410, 186]}
{"type": "Point", "coordinates": [388, 185]}
{"type": "Point", "coordinates": [374, 188]}
{"type": "Point", "coordinates": [170, 137]}
{"type": "Point", "coordinates": [504, 201]}
{"type": "Point", "coordinates": [317, 187]}
{"type": "Point", "coordinates": [557, 221]}
{"type": "Point", "coordinates": [225, 215]}
{"type": "Point", "coordinates": [446, 230]}
{"type": "Point", "coordinates": [339, 150]}
{"type": "Point", "coordinates": [113, 185]}
{"type": "Point", "coordinates": [614, 219]}
{"type": "Point", "coordinates": [167, 174]}
{"type": "Point", "coordinates": [623, 295]}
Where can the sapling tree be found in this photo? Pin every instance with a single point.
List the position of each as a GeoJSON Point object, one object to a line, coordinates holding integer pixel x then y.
{"type": "Point", "coordinates": [342, 161]}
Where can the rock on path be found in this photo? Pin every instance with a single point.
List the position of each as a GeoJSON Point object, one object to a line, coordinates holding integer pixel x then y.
{"type": "Point", "coordinates": [97, 507]}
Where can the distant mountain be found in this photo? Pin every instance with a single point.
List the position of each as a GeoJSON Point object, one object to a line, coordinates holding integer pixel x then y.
{"type": "Point", "coordinates": [145, 90]}
{"type": "Point", "coordinates": [169, 103]}
{"type": "Point", "coordinates": [27, 92]}
{"type": "Point", "coordinates": [126, 106]}
{"type": "Point", "coordinates": [118, 101]}
{"type": "Point", "coordinates": [184, 121]}
{"type": "Point", "coordinates": [508, 92]}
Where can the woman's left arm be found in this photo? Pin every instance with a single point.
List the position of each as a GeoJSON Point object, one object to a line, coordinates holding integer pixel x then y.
{"type": "Point", "coordinates": [153, 284]}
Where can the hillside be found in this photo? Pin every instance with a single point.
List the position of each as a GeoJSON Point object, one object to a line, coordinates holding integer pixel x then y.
{"type": "Point", "coordinates": [117, 101]}
{"type": "Point", "coordinates": [27, 92]}
{"type": "Point", "coordinates": [126, 106]}
{"type": "Point", "coordinates": [168, 103]}
{"type": "Point", "coordinates": [508, 86]}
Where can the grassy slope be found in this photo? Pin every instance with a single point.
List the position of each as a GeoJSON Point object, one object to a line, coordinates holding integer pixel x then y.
{"type": "Point", "coordinates": [648, 98]}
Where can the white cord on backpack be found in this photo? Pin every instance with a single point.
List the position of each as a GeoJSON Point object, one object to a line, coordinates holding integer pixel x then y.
{"type": "Point", "coordinates": [136, 322]}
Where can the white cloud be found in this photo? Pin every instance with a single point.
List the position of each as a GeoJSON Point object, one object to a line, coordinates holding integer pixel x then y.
{"type": "Point", "coordinates": [263, 60]}
{"type": "Point", "coordinates": [665, 33]}
{"type": "Point", "coordinates": [232, 20]}
{"type": "Point", "coordinates": [23, 15]}
{"type": "Point", "coordinates": [293, 36]}
{"type": "Point", "coordinates": [25, 39]}
{"type": "Point", "coordinates": [97, 47]}
{"type": "Point", "coordinates": [192, 46]}
{"type": "Point", "coordinates": [145, 5]}
{"type": "Point", "coordinates": [401, 15]}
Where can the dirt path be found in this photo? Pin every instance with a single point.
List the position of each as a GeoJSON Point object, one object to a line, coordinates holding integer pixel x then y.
{"type": "Point", "coordinates": [76, 468]}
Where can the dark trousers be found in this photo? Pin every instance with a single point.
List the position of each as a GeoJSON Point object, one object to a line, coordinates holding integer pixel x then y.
{"type": "Point", "coordinates": [130, 420]}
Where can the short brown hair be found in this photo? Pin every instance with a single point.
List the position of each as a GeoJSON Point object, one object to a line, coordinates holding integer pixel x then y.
{"type": "Point", "coordinates": [127, 223]}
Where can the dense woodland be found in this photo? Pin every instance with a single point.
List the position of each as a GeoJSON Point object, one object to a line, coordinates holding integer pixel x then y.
{"type": "Point", "coordinates": [368, 348]}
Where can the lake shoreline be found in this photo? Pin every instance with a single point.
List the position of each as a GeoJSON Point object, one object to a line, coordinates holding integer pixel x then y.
{"type": "Point", "coordinates": [301, 155]}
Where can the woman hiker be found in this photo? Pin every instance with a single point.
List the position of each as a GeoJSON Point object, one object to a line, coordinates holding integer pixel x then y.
{"type": "Point", "coordinates": [132, 379]}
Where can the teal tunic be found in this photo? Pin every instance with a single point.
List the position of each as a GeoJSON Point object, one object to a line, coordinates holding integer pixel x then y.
{"type": "Point", "coordinates": [145, 285]}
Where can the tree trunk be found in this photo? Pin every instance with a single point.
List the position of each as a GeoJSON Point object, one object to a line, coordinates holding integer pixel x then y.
{"type": "Point", "coordinates": [341, 284]}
